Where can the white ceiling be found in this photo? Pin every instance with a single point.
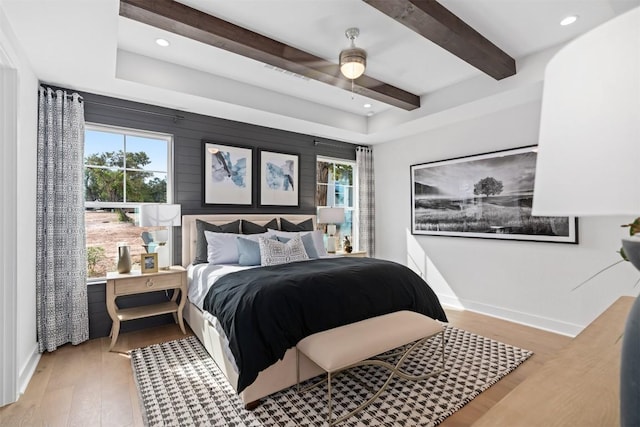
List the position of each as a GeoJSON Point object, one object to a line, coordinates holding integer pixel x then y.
{"type": "Point", "coordinates": [85, 45]}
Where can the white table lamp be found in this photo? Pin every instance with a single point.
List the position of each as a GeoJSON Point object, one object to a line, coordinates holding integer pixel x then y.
{"type": "Point", "coordinates": [589, 152]}
{"type": "Point", "coordinates": [331, 217]}
{"type": "Point", "coordinates": [160, 215]}
{"type": "Point", "coordinates": [589, 147]}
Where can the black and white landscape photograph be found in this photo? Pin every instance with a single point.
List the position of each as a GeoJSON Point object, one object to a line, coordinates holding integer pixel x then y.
{"type": "Point", "coordinates": [487, 195]}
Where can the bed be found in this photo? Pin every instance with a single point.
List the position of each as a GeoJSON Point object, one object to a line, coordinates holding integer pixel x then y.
{"type": "Point", "coordinates": [281, 373]}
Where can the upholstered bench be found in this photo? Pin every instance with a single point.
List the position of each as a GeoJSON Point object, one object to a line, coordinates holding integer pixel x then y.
{"type": "Point", "coordinates": [356, 344]}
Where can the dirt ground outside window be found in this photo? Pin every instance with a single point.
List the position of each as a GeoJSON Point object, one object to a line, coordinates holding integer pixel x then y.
{"type": "Point", "coordinates": [105, 230]}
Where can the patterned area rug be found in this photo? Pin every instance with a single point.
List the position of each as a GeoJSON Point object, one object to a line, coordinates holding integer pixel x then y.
{"type": "Point", "coordinates": [180, 385]}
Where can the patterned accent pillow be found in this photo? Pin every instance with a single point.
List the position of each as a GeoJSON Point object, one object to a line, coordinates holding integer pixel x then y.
{"type": "Point", "coordinates": [273, 252]}
{"type": "Point", "coordinates": [307, 241]}
{"type": "Point", "coordinates": [318, 239]}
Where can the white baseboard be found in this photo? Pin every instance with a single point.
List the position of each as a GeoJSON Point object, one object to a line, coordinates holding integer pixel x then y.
{"type": "Point", "coordinates": [451, 301]}
{"type": "Point", "coordinates": [538, 322]}
{"type": "Point", "coordinates": [28, 370]}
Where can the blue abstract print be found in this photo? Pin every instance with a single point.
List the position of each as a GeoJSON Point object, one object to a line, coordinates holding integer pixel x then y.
{"type": "Point", "coordinates": [224, 170]}
{"type": "Point", "coordinates": [280, 177]}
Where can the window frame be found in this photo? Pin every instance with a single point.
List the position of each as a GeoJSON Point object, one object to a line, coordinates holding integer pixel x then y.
{"type": "Point", "coordinates": [122, 130]}
{"type": "Point", "coordinates": [355, 217]}
{"type": "Point", "coordinates": [142, 134]}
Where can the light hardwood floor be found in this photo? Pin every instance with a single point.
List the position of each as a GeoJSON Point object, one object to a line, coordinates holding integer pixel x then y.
{"type": "Point", "coordinates": [86, 385]}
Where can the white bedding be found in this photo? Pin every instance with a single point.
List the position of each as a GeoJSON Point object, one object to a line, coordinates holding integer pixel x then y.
{"type": "Point", "coordinates": [202, 276]}
{"type": "Point", "coordinates": [200, 279]}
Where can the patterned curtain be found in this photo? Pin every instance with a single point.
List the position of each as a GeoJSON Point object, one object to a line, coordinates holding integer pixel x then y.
{"type": "Point", "coordinates": [61, 272]}
{"type": "Point", "coordinates": [366, 201]}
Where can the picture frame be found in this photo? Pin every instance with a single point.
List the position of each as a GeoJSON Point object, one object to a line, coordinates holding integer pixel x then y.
{"type": "Point", "coordinates": [149, 263]}
{"type": "Point", "coordinates": [279, 179]}
{"type": "Point", "coordinates": [227, 174]}
{"type": "Point", "coordinates": [487, 195]}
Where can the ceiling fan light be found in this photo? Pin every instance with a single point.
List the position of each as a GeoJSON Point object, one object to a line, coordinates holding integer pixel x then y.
{"type": "Point", "coordinates": [353, 62]}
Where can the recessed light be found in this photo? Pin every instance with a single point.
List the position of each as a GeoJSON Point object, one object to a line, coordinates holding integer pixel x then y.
{"type": "Point", "coordinates": [370, 113]}
{"type": "Point", "coordinates": [367, 105]}
{"type": "Point", "coordinates": [162, 42]}
{"type": "Point", "coordinates": [569, 20]}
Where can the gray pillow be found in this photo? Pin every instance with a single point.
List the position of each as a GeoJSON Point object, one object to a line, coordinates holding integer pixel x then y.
{"type": "Point", "coordinates": [307, 241]}
{"type": "Point", "coordinates": [306, 225]}
{"type": "Point", "coordinates": [201, 240]}
{"type": "Point", "coordinates": [249, 227]}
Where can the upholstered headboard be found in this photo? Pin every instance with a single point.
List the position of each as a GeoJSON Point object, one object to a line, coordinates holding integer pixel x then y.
{"type": "Point", "coordinates": [189, 235]}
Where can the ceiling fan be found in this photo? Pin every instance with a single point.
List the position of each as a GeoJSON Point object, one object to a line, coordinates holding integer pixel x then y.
{"type": "Point", "coordinates": [353, 60]}
{"type": "Point", "coordinates": [427, 17]}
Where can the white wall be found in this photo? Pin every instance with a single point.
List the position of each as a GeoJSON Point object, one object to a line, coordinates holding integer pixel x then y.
{"type": "Point", "coordinates": [25, 204]}
{"type": "Point", "coordinates": [527, 282]}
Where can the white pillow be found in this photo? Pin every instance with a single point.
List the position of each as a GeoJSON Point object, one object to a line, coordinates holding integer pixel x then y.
{"type": "Point", "coordinates": [273, 252]}
{"type": "Point", "coordinates": [222, 248]}
{"type": "Point", "coordinates": [317, 235]}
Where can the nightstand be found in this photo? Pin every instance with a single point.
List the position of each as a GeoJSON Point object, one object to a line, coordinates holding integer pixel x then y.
{"type": "Point", "coordinates": [356, 254]}
{"type": "Point", "coordinates": [136, 283]}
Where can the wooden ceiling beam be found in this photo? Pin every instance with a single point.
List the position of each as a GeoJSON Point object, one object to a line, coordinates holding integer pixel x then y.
{"type": "Point", "coordinates": [188, 22]}
{"type": "Point", "coordinates": [436, 23]}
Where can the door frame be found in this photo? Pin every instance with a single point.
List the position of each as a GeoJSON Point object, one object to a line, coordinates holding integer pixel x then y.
{"type": "Point", "coordinates": [8, 229]}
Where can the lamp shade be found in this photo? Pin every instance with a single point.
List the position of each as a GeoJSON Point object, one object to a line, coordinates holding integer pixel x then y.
{"type": "Point", "coordinates": [331, 216]}
{"type": "Point", "coordinates": [159, 215]}
{"type": "Point", "coordinates": [589, 145]}
{"type": "Point", "coordinates": [589, 152]}
{"type": "Point", "coordinates": [353, 62]}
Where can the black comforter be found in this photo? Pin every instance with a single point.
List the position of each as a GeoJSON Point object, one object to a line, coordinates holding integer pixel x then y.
{"type": "Point", "coordinates": [265, 311]}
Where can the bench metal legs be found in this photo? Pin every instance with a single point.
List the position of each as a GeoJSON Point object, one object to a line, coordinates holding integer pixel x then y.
{"type": "Point", "coordinates": [395, 370]}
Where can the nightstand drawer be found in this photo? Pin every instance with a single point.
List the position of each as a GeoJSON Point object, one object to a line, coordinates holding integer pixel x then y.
{"type": "Point", "coordinates": [144, 283]}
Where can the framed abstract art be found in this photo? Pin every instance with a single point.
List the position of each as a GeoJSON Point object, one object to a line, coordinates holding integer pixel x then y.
{"type": "Point", "coordinates": [279, 179]}
{"type": "Point", "coordinates": [227, 174]}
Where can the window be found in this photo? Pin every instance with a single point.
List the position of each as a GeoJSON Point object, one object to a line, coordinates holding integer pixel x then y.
{"type": "Point", "coordinates": [123, 168]}
{"type": "Point", "coordinates": [335, 187]}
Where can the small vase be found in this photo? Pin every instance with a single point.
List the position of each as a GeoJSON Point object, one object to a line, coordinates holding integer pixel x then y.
{"type": "Point", "coordinates": [347, 245]}
{"type": "Point", "coordinates": [631, 247]}
{"type": "Point", "coordinates": [124, 258]}
{"type": "Point", "coordinates": [630, 369]}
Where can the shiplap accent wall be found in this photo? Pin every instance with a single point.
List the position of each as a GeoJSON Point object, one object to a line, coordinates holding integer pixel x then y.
{"type": "Point", "coordinates": [188, 134]}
